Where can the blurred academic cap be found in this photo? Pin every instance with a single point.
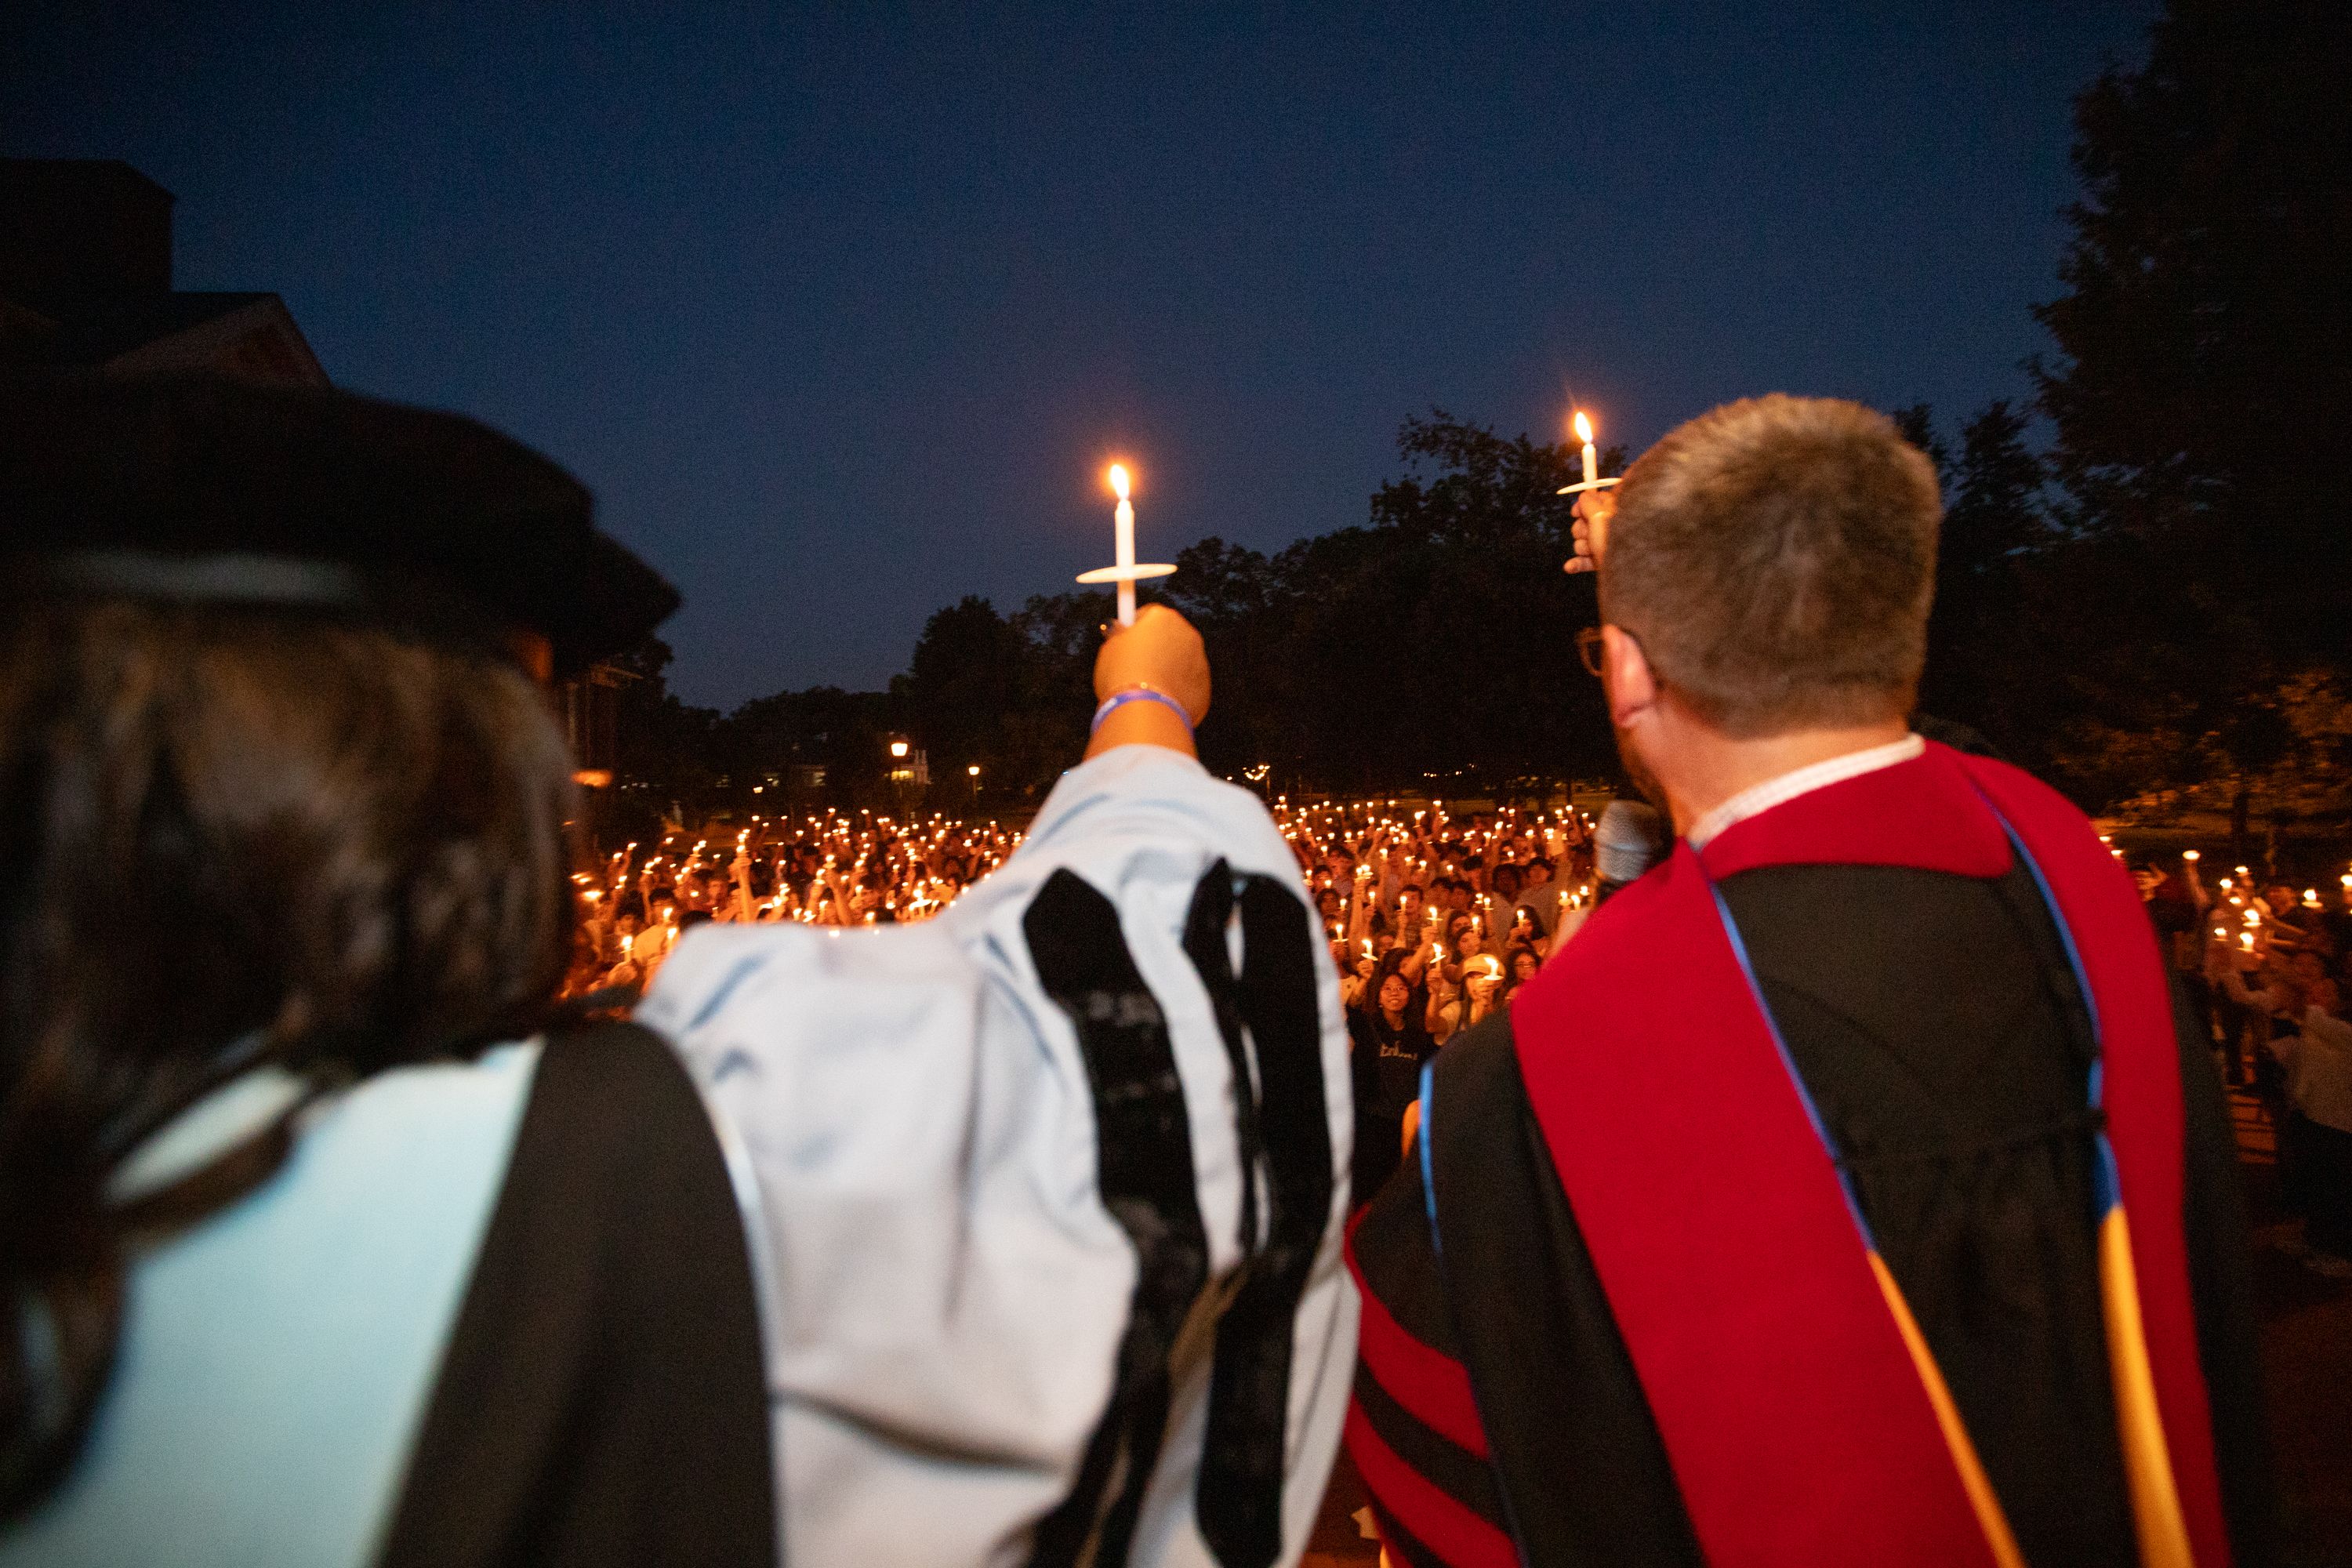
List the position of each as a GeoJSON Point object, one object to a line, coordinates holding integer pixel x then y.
{"type": "Point", "coordinates": [202, 489]}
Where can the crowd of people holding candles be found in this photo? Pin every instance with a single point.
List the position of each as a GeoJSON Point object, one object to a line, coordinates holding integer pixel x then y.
{"type": "Point", "coordinates": [2269, 967]}
{"type": "Point", "coordinates": [834, 869]}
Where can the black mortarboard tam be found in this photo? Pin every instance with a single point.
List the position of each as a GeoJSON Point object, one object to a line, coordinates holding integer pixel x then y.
{"type": "Point", "coordinates": [206, 489]}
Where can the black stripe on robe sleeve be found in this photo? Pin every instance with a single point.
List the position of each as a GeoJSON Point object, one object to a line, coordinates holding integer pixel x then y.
{"type": "Point", "coordinates": [1244, 1450]}
{"type": "Point", "coordinates": [603, 1400]}
{"type": "Point", "coordinates": [1143, 1151]}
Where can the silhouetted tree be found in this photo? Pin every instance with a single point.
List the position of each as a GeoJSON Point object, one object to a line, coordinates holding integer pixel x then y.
{"type": "Point", "coordinates": [664, 748]}
{"type": "Point", "coordinates": [2203, 377]}
{"type": "Point", "coordinates": [1917, 423]}
{"type": "Point", "coordinates": [1990, 641]}
{"type": "Point", "coordinates": [964, 676]}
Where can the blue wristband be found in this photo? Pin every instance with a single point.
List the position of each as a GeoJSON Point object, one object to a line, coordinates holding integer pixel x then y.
{"type": "Point", "coordinates": [1137, 694]}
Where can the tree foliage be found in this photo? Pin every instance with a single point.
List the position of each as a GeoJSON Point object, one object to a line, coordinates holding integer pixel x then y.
{"type": "Point", "coordinates": [2203, 373]}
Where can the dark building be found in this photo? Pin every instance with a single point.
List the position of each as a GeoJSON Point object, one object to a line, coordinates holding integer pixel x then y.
{"type": "Point", "coordinates": [85, 283]}
{"type": "Point", "coordinates": [85, 286]}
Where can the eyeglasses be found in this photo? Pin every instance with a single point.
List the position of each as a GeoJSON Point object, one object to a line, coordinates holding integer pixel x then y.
{"type": "Point", "coordinates": [1588, 650]}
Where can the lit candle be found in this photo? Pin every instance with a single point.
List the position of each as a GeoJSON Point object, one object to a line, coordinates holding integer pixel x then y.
{"type": "Point", "coordinates": [1123, 533]}
{"type": "Point", "coordinates": [1593, 479]}
{"type": "Point", "coordinates": [1124, 571]}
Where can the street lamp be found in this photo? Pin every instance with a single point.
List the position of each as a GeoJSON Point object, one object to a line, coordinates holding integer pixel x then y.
{"type": "Point", "coordinates": [898, 748]}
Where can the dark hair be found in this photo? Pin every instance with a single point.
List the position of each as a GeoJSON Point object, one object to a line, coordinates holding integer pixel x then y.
{"type": "Point", "coordinates": [229, 837]}
{"type": "Point", "coordinates": [1390, 963]}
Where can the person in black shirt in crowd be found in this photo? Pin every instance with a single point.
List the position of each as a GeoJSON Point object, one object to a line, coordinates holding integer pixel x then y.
{"type": "Point", "coordinates": [1389, 1040]}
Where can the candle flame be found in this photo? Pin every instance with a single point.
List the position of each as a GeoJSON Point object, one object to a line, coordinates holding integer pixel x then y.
{"type": "Point", "coordinates": [1118, 480]}
{"type": "Point", "coordinates": [1583, 427]}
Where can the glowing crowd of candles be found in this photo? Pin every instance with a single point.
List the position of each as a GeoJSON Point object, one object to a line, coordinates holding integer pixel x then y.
{"type": "Point", "coordinates": [1405, 838]}
{"type": "Point", "coordinates": [2237, 894]}
{"type": "Point", "coordinates": [1380, 825]}
{"type": "Point", "coordinates": [911, 851]}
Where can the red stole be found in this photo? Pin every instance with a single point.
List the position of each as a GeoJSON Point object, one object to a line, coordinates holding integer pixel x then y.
{"type": "Point", "coordinates": [1795, 1421]}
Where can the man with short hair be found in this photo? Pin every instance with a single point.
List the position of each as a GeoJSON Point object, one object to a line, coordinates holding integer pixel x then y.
{"type": "Point", "coordinates": [1782, 1217]}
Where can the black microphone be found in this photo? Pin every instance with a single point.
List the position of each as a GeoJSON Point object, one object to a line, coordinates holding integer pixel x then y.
{"type": "Point", "coordinates": [1631, 839]}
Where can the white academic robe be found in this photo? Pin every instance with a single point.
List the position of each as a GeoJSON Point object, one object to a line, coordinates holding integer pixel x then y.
{"type": "Point", "coordinates": [945, 1290]}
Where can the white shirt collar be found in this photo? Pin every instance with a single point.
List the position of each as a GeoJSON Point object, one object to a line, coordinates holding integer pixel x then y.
{"type": "Point", "coordinates": [1762, 797]}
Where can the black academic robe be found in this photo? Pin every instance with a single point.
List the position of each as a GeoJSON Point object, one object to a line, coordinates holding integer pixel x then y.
{"type": "Point", "coordinates": [603, 1399]}
{"type": "Point", "coordinates": [1935, 1022]}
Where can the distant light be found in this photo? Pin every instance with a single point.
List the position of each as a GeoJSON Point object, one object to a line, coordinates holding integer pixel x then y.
{"type": "Point", "coordinates": [898, 748]}
{"type": "Point", "coordinates": [973, 770]}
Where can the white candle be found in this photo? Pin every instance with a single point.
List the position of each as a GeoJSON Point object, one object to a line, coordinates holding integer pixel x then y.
{"type": "Point", "coordinates": [1128, 570]}
{"type": "Point", "coordinates": [1124, 541]}
{"type": "Point", "coordinates": [1593, 480]}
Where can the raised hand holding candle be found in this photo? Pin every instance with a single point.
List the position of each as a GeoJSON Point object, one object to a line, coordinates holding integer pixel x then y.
{"type": "Point", "coordinates": [1125, 572]}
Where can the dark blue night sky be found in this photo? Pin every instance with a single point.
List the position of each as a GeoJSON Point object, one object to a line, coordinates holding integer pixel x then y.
{"type": "Point", "coordinates": [841, 314]}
